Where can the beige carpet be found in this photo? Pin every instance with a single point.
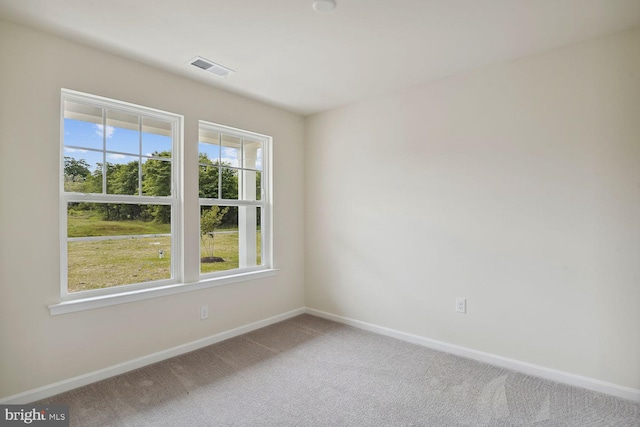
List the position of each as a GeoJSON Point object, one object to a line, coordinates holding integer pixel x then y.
{"type": "Point", "coordinates": [308, 371]}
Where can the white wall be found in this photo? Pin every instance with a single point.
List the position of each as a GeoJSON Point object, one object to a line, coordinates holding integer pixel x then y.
{"type": "Point", "coordinates": [37, 349]}
{"type": "Point", "coordinates": [516, 186]}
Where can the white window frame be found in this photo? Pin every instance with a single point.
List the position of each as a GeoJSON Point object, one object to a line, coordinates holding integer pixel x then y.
{"type": "Point", "coordinates": [97, 298]}
{"type": "Point", "coordinates": [265, 202]}
{"type": "Point", "coordinates": [174, 200]}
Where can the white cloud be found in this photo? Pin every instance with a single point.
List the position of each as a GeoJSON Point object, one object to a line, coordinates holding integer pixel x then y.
{"type": "Point", "coordinates": [116, 156]}
{"type": "Point", "coordinates": [230, 152]}
{"type": "Point", "coordinates": [229, 155]}
{"type": "Point", "coordinates": [74, 150]}
{"type": "Point", "coordinates": [233, 161]}
{"type": "Point", "coordinates": [109, 132]}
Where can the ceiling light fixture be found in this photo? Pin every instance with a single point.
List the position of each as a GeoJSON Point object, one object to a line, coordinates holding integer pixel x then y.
{"type": "Point", "coordinates": [324, 6]}
{"type": "Point", "coordinates": [210, 66]}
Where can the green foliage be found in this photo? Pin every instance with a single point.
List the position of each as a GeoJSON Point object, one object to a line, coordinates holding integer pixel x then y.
{"type": "Point", "coordinates": [75, 174]}
{"type": "Point", "coordinates": [216, 180]}
{"type": "Point", "coordinates": [208, 181]}
{"type": "Point", "coordinates": [74, 183]}
{"type": "Point", "coordinates": [156, 175]}
{"type": "Point", "coordinates": [94, 180]}
{"type": "Point", "coordinates": [156, 181]}
{"type": "Point", "coordinates": [122, 178]}
{"type": "Point", "coordinates": [76, 168]}
{"type": "Point", "coordinates": [210, 219]}
{"type": "Point", "coordinates": [258, 185]}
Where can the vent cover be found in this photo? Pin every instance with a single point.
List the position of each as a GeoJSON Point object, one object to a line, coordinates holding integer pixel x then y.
{"type": "Point", "coordinates": [210, 66]}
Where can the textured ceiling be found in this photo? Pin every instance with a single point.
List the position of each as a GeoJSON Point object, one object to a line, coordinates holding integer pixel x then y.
{"type": "Point", "coordinates": [289, 56]}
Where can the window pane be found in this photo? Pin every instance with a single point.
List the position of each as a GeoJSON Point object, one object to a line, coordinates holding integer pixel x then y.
{"type": "Point", "coordinates": [156, 138]}
{"type": "Point", "coordinates": [117, 244]}
{"type": "Point", "coordinates": [209, 182]}
{"type": "Point", "coordinates": [259, 159]}
{"type": "Point", "coordinates": [250, 236]}
{"type": "Point", "coordinates": [251, 185]}
{"type": "Point", "coordinates": [252, 154]}
{"type": "Point", "coordinates": [229, 184]}
{"type": "Point", "coordinates": [82, 112]}
{"type": "Point", "coordinates": [230, 153]}
{"type": "Point", "coordinates": [208, 154]}
{"type": "Point", "coordinates": [122, 132]}
{"type": "Point", "coordinates": [230, 237]}
{"type": "Point", "coordinates": [218, 238]}
{"type": "Point", "coordinates": [122, 174]}
{"type": "Point", "coordinates": [208, 136]}
{"type": "Point", "coordinates": [117, 219]}
{"type": "Point", "coordinates": [82, 171]}
{"type": "Point", "coordinates": [83, 134]}
{"type": "Point", "coordinates": [259, 237]}
{"type": "Point", "coordinates": [209, 146]}
{"type": "Point", "coordinates": [156, 177]}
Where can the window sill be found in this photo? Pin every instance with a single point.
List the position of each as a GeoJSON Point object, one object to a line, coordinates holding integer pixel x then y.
{"type": "Point", "coordinates": [99, 301]}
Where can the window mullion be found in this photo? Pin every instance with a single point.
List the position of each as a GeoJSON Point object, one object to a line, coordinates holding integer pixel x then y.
{"type": "Point", "coordinates": [241, 182]}
{"type": "Point", "coordinates": [139, 156]}
{"type": "Point", "coordinates": [219, 165]}
{"type": "Point", "coordinates": [104, 151]}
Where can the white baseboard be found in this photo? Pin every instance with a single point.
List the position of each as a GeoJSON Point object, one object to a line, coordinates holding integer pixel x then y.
{"type": "Point", "coordinates": [503, 362]}
{"type": "Point", "coordinates": [516, 365]}
{"type": "Point", "coordinates": [91, 377]}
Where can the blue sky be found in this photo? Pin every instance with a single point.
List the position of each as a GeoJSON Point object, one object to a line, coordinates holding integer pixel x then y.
{"type": "Point", "coordinates": [87, 135]}
{"type": "Point", "coordinates": [84, 136]}
{"type": "Point", "coordinates": [229, 155]}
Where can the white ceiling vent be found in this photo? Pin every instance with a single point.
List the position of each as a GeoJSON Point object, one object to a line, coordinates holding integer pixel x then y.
{"type": "Point", "coordinates": [210, 66]}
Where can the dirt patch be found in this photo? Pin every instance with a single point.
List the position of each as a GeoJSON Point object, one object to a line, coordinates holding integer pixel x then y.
{"type": "Point", "coordinates": [210, 259]}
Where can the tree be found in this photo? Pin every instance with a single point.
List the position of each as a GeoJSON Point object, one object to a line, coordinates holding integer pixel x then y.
{"type": "Point", "coordinates": [156, 175]}
{"type": "Point", "coordinates": [217, 180]}
{"type": "Point", "coordinates": [210, 219]}
{"type": "Point", "coordinates": [122, 178]}
{"type": "Point", "coordinates": [156, 181]}
{"type": "Point", "coordinates": [75, 167]}
{"type": "Point", "coordinates": [208, 177]}
{"type": "Point", "coordinates": [94, 180]}
{"type": "Point", "coordinates": [259, 184]}
{"type": "Point", "coordinates": [215, 176]}
{"type": "Point", "coordinates": [75, 174]}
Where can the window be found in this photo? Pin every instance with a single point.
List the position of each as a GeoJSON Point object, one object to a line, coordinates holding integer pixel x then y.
{"type": "Point", "coordinates": [123, 227]}
{"type": "Point", "coordinates": [119, 198]}
{"type": "Point", "coordinates": [233, 203]}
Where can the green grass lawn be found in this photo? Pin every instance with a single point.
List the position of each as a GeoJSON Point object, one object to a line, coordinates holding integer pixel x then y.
{"type": "Point", "coordinates": [83, 224]}
{"type": "Point", "coordinates": [107, 263]}
{"type": "Point", "coordinates": [226, 247]}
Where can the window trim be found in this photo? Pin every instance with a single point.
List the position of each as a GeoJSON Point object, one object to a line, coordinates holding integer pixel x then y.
{"type": "Point", "coordinates": [131, 295]}
{"type": "Point", "coordinates": [265, 202]}
{"type": "Point", "coordinates": [175, 200]}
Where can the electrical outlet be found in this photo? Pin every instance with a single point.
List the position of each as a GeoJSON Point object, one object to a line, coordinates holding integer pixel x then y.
{"type": "Point", "coordinates": [461, 305]}
{"type": "Point", "coordinates": [204, 312]}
